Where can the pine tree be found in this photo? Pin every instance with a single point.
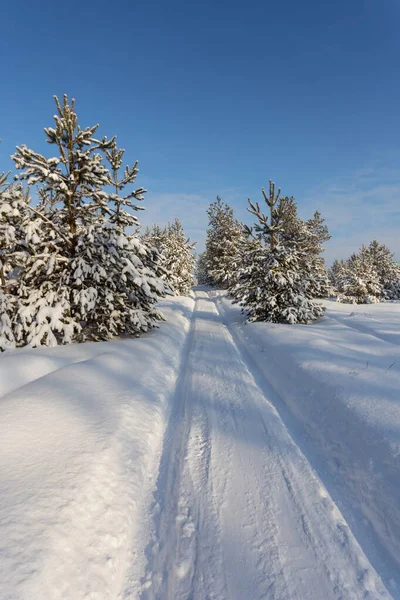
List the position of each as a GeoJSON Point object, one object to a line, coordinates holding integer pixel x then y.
{"type": "Point", "coordinates": [361, 283]}
{"type": "Point", "coordinates": [317, 234]}
{"type": "Point", "coordinates": [337, 275]}
{"type": "Point", "coordinates": [308, 237]}
{"type": "Point", "coordinates": [8, 212]}
{"type": "Point", "coordinates": [202, 276]}
{"type": "Point", "coordinates": [387, 268]}
{"type": "Point", "coordinates": [84, 277]}
{"type": "Point", "coordinates": [370, 275]}
{"type": "Point", "coordinates": [176, 255]}
{"type": "Point", "coordinates": [272, 282]}
{"type": "Point", "coordinates": [17, 236]}
{"type": "Point", "coordinates": [223, 237]}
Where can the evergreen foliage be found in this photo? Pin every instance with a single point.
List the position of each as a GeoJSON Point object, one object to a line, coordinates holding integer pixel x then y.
{"type": "Point", "coordinates": [387, 268]}
{"type": "Point", "coordinates": [202, 276]}
{"type": "Point", "coordinates": [9, 232]}
{"type": "Point", "coordinates": [273, 280]}
{"type": "Point", "coordinates": [361, 283]}
{"type": "Point", "coordinates": [224, 234]}
{"type": "Point", "coordinates": [369, 276]}
{"type": "Point", "coordinates": [82, 275]}
{"type": "Point", "coordinates": [337, 274]}
{"type": "Point", "coordinates": [176, 255]}
{"type": "Point", "coordinates": [308, 237]}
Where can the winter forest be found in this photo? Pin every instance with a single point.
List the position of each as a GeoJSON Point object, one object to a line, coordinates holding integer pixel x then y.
{"type": "Point", "coordinates": [200, 301]}
{"type": "Point", "coordinates": [75, 264]}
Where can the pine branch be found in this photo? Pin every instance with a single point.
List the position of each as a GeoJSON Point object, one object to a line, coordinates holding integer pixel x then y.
{"type": "Point", "coordinates": [44, 218]}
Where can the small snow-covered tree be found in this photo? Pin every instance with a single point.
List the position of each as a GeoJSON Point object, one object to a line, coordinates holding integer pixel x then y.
{"type": "Point", "coordinates": [223, 237]}
{"type": "Point", "coordinates": [317, 234]}
{"type": "Point", "coordinates": [337, 275]}
{"type": "Point", "coordinates": [272, 282]}
{"type": "Point", "coordinates": [370, 275]}
{"type": "Point", "coordinates": [387, 268]}
{"type": "Point", "coordinates": [201, 270]}
{"type": "Point", "coordinates": [85, 277]}
{"type": "Point", "coordinates": [176, 255]}
{"type": "Point", "coordinates": [360, 283]}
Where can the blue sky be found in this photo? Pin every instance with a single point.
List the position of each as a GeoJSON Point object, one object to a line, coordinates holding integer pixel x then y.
{"type": "Point", "coordinates": [219, 97]}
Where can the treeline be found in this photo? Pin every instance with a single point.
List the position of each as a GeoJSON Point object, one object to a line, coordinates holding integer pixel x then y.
{"type": "Point", "coordinates": [275, 270]}
{"type": "Point", "coordinates": [74, 265]}
{"type": "Point", "coordinates": [368, 276]}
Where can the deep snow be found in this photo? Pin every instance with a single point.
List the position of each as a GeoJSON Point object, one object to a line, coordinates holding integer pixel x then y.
{"type": "Point", "coordinates": [80, 441]}
{"type": "Point", "coordinates": [207, 460]}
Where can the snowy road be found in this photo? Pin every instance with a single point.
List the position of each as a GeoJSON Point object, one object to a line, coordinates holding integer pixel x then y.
{"type": "Point", "coordinates": [238, 511]}
{"type": "Point", "coordinates": [208, 460]}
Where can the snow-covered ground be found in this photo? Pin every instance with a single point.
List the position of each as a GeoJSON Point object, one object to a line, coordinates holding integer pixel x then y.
{"type": "Point", "coordinates": [211, 459]}
{"type": "Point", "coordinates": [81, 430]}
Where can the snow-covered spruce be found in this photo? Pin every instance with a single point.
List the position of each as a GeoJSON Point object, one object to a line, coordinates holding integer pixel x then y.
{"type": "Point", "coordinates": [273, 281]}
{"type": "Point", "coordinates": [202, 276]}
{"type": "Point", "coordinates": [337, 274]}
{"type": "Point", "coordinates": [308, 238]}
{"type": "Point", "coordinates": [369, 276]}
{"type": "Point", "coordinates": [16, 235]}
{"type": "Point", "coordinates": [176, 255]}
{"type": "Point", "coordinates": [84, 277]}
{"type": "Point", "coordinates": [387, 268]}
{"type": "Point", "coordinates": [361, 281]}
{"type": "Point", "coordinates": [316, 234]}
{"type": "Point", "coordinates": [224, 234]}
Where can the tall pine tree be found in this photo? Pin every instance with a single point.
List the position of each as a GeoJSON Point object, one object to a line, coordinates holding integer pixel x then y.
{"type": "Point", "coordinates": [224, 234]}
{"type": "Point", "coordinates": [85, 277]}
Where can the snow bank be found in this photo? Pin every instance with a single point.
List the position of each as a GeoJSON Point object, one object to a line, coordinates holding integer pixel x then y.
{"type": "Point", "coordinates": [81, 431]}
{"type": "Point", "coordinates": [339, 382]}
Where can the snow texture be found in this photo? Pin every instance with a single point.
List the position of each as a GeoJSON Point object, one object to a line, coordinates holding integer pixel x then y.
{"type": "Point", "coordinates": [212, 459]}
{"type": "Point", "coordinates": [81, 429]}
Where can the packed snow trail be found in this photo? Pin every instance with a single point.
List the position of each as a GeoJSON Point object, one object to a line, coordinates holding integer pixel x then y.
{"type": "Point", "coordinates": [238, 511]}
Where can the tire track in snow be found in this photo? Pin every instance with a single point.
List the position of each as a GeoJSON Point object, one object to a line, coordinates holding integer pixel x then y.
{"type": "Point", "coordinates": [173, 554]}
{"type": "Point", "coordinates": [355, 489]}
{"type": "Point", "coordinates": [241, 514]}
{"type": "Point", "coordinates": [298, 492]}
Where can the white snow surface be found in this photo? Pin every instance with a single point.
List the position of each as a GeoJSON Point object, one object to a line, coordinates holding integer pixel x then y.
{"type": "Point", "coordinates": [208, 460]}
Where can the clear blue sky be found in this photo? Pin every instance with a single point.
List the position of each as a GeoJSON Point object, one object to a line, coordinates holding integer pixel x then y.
{"type": "Point", "coordinates": [218, 97]}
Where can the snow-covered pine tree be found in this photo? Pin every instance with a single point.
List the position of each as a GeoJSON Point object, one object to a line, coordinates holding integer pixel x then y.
{"type": "Point", "coordinates": [202, 277]}
{"type": "Point", "coordinates": [4, 235]}
{"type": "Point", "coordinates": [388, 269]}
{"type": "Point", "coordinates": [7, 306]}
{"type": "Point", "coordinates": [177, 255]}
{"type": "Point", "coordinates": [370, 275]}
{"type": "Point", "coordinates": [272, 283]}
{"type": "Point", "coordinates": [317, 234]}
{"type": "Point", "coordinates": [223, 237]}
{"type": "Point", "coordinates": [85, 277]}
{"type": "Point", "coordinates": [17, 232]}
{"type": "Point", "coordinates": [337, 275]}
{"type": "Point", "coordinates": [361, 283]}
{"type": "Point", "coordinates": [308, 237]}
